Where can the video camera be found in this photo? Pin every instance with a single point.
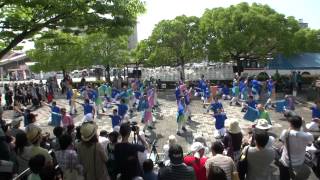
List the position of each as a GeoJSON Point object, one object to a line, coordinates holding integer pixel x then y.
{"type": "Point", "coordinates": [134, 126]}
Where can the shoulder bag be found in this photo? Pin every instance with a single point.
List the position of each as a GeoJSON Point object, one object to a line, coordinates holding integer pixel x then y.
{"type": "Point", "coordinates": [243, 164]}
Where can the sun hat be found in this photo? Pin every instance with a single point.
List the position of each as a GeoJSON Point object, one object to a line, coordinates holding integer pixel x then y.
{"type": "Point", "coordinates": [33, 133]}
{"type": "Point", "coordinates": [196, 147]}
{"type": "Point", "coordinates": [15, 122]}
{"type": "Point", "coordinates": [88, 130]}
{"type": "Point", "coordinates": [263, 124]}
{"type": "Point", "coordinates": [234, 127]}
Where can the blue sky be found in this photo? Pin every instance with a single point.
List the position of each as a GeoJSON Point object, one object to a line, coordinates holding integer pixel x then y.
{"type": "Point", "coordinates": [157, 10]}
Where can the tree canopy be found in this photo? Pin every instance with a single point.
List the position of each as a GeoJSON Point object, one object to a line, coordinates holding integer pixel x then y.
{"type": "Point", "coordinates": [21, 19]}
{"type": "Point", "coordinates": [239, 32]}
{"type": "Point", "coordinates": [172, 43]}
{"type": "Point", "coordinates": [57, 50]}
{"type": "Point", "coordinates": [244, 31]}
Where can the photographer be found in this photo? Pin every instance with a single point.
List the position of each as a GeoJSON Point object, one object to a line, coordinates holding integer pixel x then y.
{"type": "Point", "coordinates": [127, 153]}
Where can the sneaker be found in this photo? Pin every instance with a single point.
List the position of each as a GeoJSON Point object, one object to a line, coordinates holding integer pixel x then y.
{"type": "Point", "coordinates": [184, 129]}
{"type": "Point", "coordinates": [179, 134]}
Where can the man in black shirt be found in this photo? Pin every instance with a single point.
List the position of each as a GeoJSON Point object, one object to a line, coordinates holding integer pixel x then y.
{"type": "Point", "coordinates": [177, 169]}
{"type": "Point", "coordinates": [126, 154]}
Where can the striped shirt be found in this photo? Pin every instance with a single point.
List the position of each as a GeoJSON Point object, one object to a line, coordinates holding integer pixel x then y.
{"type": "Point", "coordinates": [177, 172]}
{"type": "Point", "coordinates": [222, 161]}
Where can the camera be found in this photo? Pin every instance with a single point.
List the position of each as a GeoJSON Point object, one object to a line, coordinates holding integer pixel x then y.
{"type": "Point", "coordinates": [134, 126]}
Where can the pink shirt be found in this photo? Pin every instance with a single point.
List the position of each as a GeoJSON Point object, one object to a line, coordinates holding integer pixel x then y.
{"type": "Point", "coordinates": [67, 120]}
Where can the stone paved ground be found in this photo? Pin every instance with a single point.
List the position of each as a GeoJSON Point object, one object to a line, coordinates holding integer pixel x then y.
{"type": "Point", "coordinates": [201, 124]}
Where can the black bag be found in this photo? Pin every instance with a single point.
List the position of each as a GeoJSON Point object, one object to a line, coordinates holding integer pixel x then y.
{"type": "Point", "coordinates": [243, 164]}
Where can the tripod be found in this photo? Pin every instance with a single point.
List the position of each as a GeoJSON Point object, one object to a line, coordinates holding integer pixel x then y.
{"type": "Point", "coordinates": [154, 151]}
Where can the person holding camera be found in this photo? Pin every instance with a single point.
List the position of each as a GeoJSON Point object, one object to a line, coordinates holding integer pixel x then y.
{"type": "Point", "coordinates": [127, 154]}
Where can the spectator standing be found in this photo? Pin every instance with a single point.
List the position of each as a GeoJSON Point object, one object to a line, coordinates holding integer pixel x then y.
{"type": "Point", "coordinates": [34, 136]}
{"type": "Point", "coordinates": [36, 165]}
{"type": "Point", "coordinates": [126, 153]}
{"type": "Point", "coordinates": [232, 140]}
{"type": "Point", "coordinates": [293, 154]}
{"type": "Point", "coordinates": [91, 154]}
{"type": "Point", "coordinates": [222, 161]}
{"type": "Point", "coordinates": [177, 169]}
{"type": "Point", "coordinates": [148, 171]}
{"type": "Point", "coordinates": [197, 160]}
{"type": "Point", "coordinates": [67, 158]}
{"type": "Point", "coordinates": [216, 173]}
{"type": "Point", "coordinates": [22, 150]}
{"type": "Point", "coordinates": [259, 158]}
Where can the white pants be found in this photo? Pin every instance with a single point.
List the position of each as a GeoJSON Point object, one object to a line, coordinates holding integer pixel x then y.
{"type": "Point", "coordinates": [218, 133]}
{"type": "Point", "coordinates": [234, 99]}
{"type": "Point", "coordinates": [312, 126]}
{"type": "Point", "coordinates": [226, 97]}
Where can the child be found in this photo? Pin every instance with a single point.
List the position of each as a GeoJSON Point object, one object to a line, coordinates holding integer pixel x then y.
{"type": "Point", "coordinates": [88, 108]}
{"type": "Point", "coordinates": [122, 108]}
{"type": "Point", "coordinates": [115, 118]}
{"type": "Point", "coordinates": [181, 116]}
{"type": "Point", "coordinates": [263, 114]}
{"type": "Point", "coordinates": [55, 115]}
{"type": "Point", "coordinates": [215, 105]}
{"type": "Point", "coordinates": [73, 107]}
{"type": "Point", "coordinates": [219, 124]}
{"type": "Point", "coordinates": [251, 103]}
{"type": "Point", "coordinates": [226, 92]}
{"type": "Point", "coordinates": [66, 118]}
{"type": "Point", "coordinates": [314, 125]}
{"type": "Point", "coordinates": [235, 93]}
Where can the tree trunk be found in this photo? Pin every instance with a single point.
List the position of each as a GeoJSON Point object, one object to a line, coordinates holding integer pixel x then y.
{"type": "Point", "coordinates": [239, 66]}
{"type": "Point", "coordinates": [107, 76]}
{"type": "Point", "coordinates": [182, 74]}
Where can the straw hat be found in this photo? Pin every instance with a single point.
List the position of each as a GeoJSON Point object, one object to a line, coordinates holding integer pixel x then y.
{"type": "Point", "coordinates": [33, 133]}
{"type": "Point", "coordinates": [263, 124]}
{"type": "Point", "coordinates": [88, 130]}
{"type": "Point", "coordinates": [234, 127]}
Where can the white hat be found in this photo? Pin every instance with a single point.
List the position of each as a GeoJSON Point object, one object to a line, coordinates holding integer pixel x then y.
{"type": "Point", "coordinates": [263, 124]}
{"type": "Point", "coordinates": [196, 147]}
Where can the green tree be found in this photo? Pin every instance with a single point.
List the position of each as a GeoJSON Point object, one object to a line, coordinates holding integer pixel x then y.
{"type": "Point", "coordinates": [22, 19]}
{"type": "Point", "coordinates": [57, 51]}
{"type": "Point", "coordinates": [173, 42]}
{"type": "Point", "coordinates": [103, 49]}
{"type": "Point", "coordinates": [247, 32]}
